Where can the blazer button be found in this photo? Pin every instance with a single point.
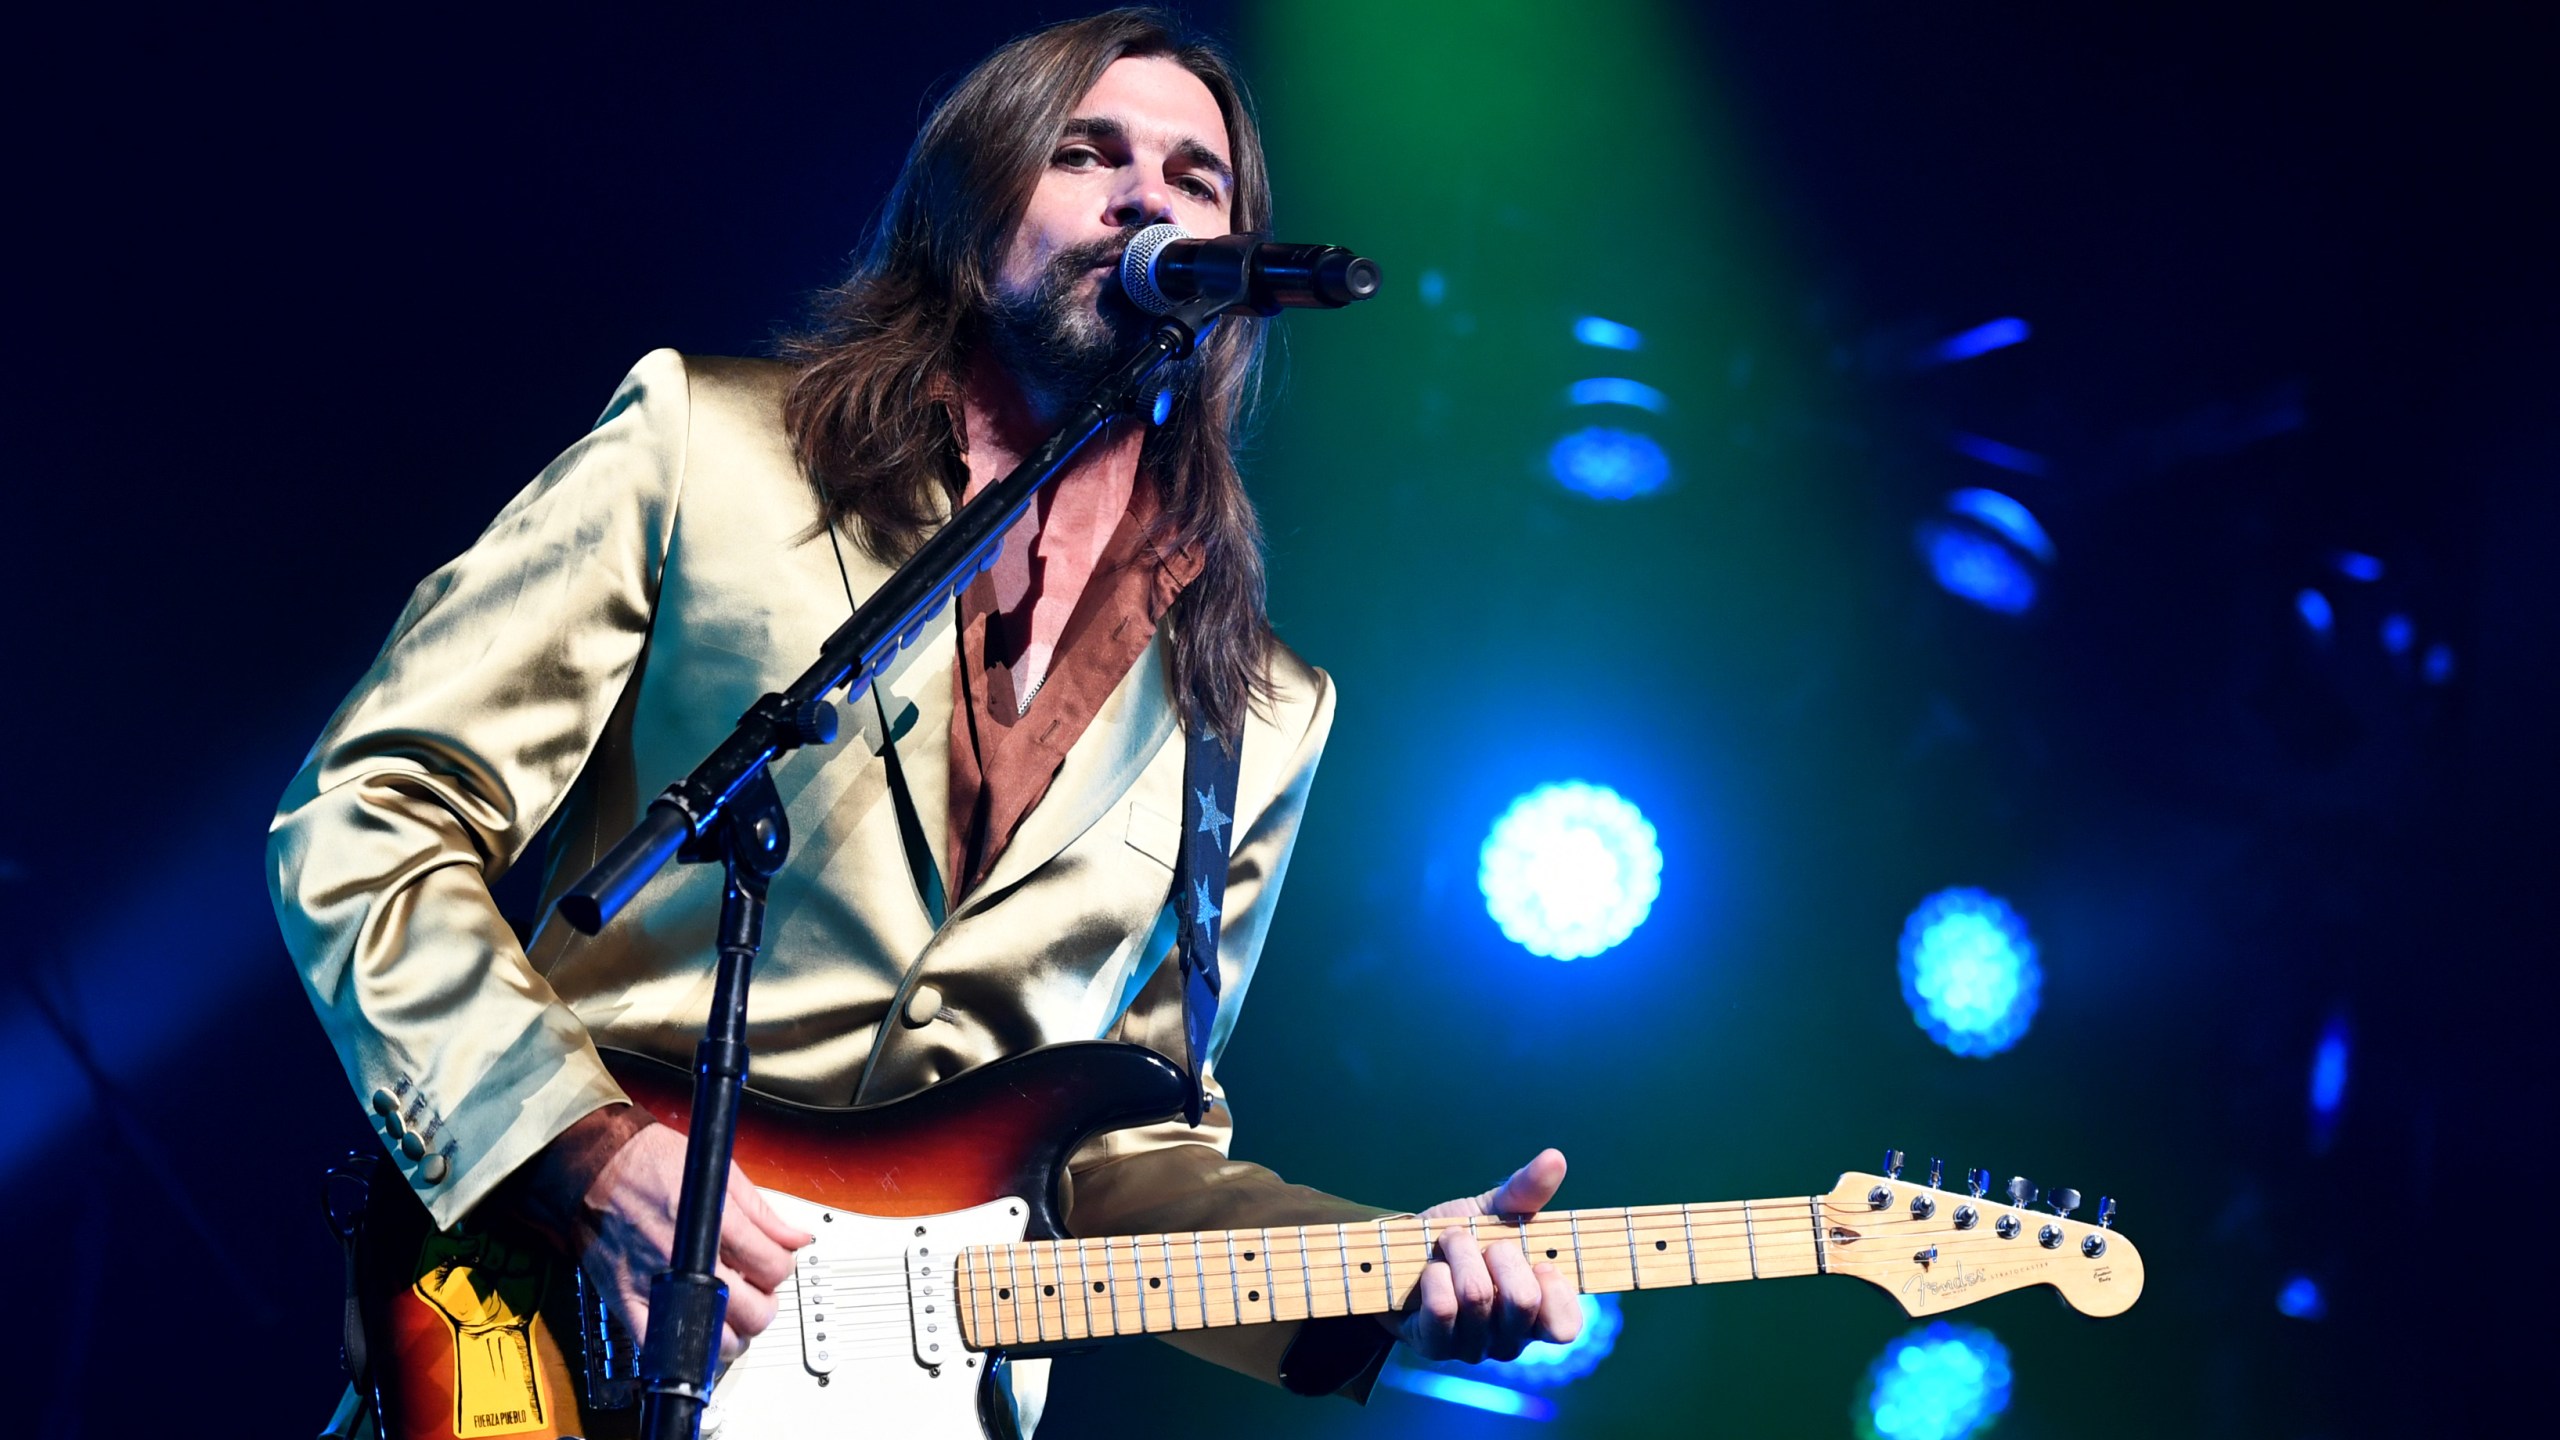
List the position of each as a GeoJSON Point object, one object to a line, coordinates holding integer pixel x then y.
{"type": "Point", "coordinates": [923, 1005]}
{"type": "Point", "coordinates": [412, 1146]}
{"type": "Point", "coordinates": [433, 1171]}
{"type": "Point", "coordinates": [385, 1103]}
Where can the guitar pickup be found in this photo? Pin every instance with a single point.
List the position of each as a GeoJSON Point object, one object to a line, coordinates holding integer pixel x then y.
{"type": "Point", "coordinates": [932, 1320]}
{"type": "Point", "coordinates": [816, 1305]}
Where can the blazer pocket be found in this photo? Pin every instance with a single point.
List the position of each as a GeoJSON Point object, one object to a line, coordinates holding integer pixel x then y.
{"type": "Point", "coordinates": [1154, 834]}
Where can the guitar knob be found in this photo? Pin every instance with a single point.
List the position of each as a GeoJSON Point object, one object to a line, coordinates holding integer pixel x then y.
{"type": "Point", "coordinates": [2021, 1194]}
{"type": "Point", "coordinates": [2063, 1201]}
{"type": "Point", "coordinates": [2106, 1212]}
{"type": "Point", "coordinates": [1978, 1180]}
{"type": "Point", "coordinates": [1893, 1164]}
{"type": "Point", "coordinates": [1937, 1168]}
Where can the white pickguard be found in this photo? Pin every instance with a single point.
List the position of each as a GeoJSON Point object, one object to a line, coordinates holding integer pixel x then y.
{"type": "Point", "coordinates": [849, 1351]}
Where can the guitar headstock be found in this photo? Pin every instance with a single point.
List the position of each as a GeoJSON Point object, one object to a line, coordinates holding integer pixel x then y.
{"type": "Point", "coordinates": [1935, 1250]}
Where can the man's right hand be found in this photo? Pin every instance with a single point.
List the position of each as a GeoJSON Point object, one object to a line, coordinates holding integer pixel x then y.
{"type": "Point", "coordinates": [606, 1190]}
{"type": "Point", "coordinates": [630, 1216]}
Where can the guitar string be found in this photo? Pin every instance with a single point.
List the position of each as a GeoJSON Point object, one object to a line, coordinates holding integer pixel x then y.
{"type": "Point", "coordinates": [1293, 1297]}
{"type": "Point", "coordinates": [1661, 1236]}
{"type": "Point", "coordinates": [785, 1356]}
{"type": "Point", "coordinates": [1590, 1267]}
{"type": "Point", "coordinates": [1489, 1229]}
{"type": "Point", "coordinates": [1863, 1224]}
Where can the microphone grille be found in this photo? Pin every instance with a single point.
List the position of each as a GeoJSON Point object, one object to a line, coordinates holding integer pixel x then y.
{"type": "Point", "coordinates": [1138, 264]}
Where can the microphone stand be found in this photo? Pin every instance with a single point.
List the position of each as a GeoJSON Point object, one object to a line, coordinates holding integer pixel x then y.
{"type": "Point", "coordinates": [727, 810]}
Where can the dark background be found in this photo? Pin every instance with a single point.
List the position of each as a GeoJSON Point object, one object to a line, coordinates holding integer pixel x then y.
{"type": "Point", "coordinates": [303, 304]}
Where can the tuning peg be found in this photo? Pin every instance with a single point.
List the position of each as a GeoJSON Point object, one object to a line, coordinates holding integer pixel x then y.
{"type": "Point", "coordinates": [1893, 1164]}
{"type": "Point", "coordinates": [2063, 1201]}
{"type": "Point", "coordinates": [1978, 1180]}
{"type": "Point", "coordinates": [2106, 1212]}
{"type": "Point", "coordinates": [1937, 1169]}
{"type": "Point", "coordinates": [2021, 1194]}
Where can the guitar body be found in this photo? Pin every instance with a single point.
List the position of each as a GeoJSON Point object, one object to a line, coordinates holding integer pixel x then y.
{"type": "Point", "coordinates": [484, 1332]}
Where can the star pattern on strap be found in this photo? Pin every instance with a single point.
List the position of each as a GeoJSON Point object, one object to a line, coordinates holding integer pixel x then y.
{"type": "Point", "coordinates": [1202, 911]}
{"type": "Point", "coordinates": [1213, 821]}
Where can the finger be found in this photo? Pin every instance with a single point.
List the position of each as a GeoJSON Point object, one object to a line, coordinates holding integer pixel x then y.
{"type": "Point", "coordinates": [1559, 1307]}
{"type": "Point", "coordinates": [750, 1201]}
{"type": "Point", "coordinates": [756, 1255]}
{"type": "Point", "coordinates": [1516, 1311]}
{"type": "Point", "coordinates": [1475, 1290]}
{"type": "Point", "coordinates": [1435, 1311]}
{"type": "Point", "coordinates": [1529, 1188]}
{"type": "Point", "coordinates": [750, 1308]}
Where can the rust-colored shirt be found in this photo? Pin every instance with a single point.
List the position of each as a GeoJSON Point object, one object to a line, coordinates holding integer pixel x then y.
{"type": "Point", "coordinates": [1001, 762]}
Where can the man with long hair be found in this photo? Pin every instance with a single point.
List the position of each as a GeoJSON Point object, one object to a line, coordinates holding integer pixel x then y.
{"type": "Point", "coordinates": [995, 881]}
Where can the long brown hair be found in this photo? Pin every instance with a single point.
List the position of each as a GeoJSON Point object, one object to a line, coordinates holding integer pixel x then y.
{"type": "Point", "coordinates": [873, 413]}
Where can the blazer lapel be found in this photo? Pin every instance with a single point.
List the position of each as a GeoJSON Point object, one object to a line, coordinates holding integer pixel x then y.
{"type": "Point", "coordinates": [915, 699]}
{"type": "Point", "coordinates": [1131, 728]}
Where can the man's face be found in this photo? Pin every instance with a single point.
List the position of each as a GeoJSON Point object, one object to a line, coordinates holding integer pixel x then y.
{"type": "Point", "coordinates": [1146, 145]}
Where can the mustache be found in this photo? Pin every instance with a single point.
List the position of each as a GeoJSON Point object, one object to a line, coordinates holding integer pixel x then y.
{"type": "Point", "coordinates": [1086, 255]}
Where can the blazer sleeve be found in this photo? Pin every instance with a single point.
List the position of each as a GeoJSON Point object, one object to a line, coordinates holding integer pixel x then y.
{"type": "Point", "coordinates": [435, 775]}
{"type": "Point", "coordinates": [1170, 1177]}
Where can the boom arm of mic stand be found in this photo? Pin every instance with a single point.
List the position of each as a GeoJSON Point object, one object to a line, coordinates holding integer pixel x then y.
{"type": "Point", "coordinates": [892, 619]}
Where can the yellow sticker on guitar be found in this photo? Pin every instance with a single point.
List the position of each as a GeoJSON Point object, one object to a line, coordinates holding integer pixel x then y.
{"type": "Point", "coordinates": [488, 1292]}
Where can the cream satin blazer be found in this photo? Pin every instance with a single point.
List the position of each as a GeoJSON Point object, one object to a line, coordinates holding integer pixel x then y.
{"type": "Point", "coordinates": [594, 643]}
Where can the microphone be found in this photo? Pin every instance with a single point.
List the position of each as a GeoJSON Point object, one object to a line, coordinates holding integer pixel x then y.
{"type": "Point", "coordinates": [1163, 267]}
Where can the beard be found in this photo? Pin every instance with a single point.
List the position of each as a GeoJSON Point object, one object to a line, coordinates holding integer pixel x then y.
{"type": "Point", "coordinates": [1058, 344]}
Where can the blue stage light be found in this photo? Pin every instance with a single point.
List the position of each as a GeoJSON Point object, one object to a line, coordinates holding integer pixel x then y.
{"type": "Point", "coordinates": [1969, 971]}
{"type": "Point", "coordinates": [1982, 339]}
{"type": "Point", "coordinates": [2301, 1299]}
{"type": "Point", "coordinates": [1608, 464]}
{"type": "Point", "coordinates": [2329, 1070]}
{"type": "Point", "coordinates": [1943, 1382]}
{"type": "Point", "coordinates": [1610, 391]}
{"type": "Point", "coordinates": [1606, 334]}
{"type": "Point", "coordinates": [2006, 516]}
{"type": "Point", "coordinates": [1993, 452]}
{"type": "Point", "coordinates": [1459, 1390]}
{"type": "Point", "coordinates": [2358, 566]}
{"type": "Point", "coordinates": [2398, 634]}
{"type": "Point", "coordinates": [1975, 567]}
{"type": "Point", "coordinates": [1570, 869]}
{"type": "Point", "coordinates": [2315, 611]}
{"type": "Point", "coordinates": [2437, 667]}
{"type": "Point", "coordinates": [1544, 1366]}
{"type": "Point", "coordinates": [1435, 287]}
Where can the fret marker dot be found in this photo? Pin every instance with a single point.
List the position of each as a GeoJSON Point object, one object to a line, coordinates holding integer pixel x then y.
{"type": "Point", "coordinates": [1661, 1244]}
{"type": "Point", "coordinates": [1154, 1284]}
{"type": "Point", "coordinates": [1551, 1254]}
{"type": "Point", "coordinates": [1097, 1287]}
{"type": "Point", "coordinates": [1048, 1289]}
{"type": "Point", "coordinates": [1248, 1254]}
{"type": "Point", "coordinates": [1253, 1294]}
{"type": "Point", "coordinates": [1004, 1294]}
{"type": "Point", "coordinates": [1364, 1267]}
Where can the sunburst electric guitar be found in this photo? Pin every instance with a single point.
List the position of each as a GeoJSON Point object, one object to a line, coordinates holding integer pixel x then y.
{"type": "Point", "coordinates": [940, 1252]}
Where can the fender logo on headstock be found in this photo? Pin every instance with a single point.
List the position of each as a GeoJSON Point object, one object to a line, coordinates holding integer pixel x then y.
{"type": "Point", "coordinates": [1936, 1287]}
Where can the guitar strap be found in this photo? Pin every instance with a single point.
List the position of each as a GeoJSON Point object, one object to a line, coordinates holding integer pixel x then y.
{"type": "Point", "coordinates": [1199, 892]}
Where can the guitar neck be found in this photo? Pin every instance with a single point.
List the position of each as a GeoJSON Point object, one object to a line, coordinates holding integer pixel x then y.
{"type": "Point", "coordinates": [1046, 1292]}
